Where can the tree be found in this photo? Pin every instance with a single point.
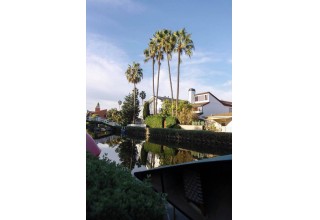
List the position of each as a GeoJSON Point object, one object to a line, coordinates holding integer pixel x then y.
{"type": "Point", "coordinates": [119, 102]}
{"type": "Point", "coordinates": [115, 115]}
{"type": "Point", "coordinates": [150, 54]}
{"type": "Point", "coordinates": [159, 57]}
{"type": "Point", "coordinates": [129, 109]}
{"type": "Point", "coordinates": [134, 75]}
{"type": "Point", "coordinates": [146, 110]}
{"type": "Point", "coordinates": [184, 45]}
{"type": "Point", "coordinates": [142, 96]}
{"type": "Point", "coordinates": [169, 42]}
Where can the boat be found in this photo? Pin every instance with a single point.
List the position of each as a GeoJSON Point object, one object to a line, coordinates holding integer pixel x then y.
{"type": "Point", "coordinates": [199, 189]}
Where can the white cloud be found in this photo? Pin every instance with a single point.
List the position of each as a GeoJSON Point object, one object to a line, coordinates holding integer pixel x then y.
{"type": "Point", "coordinates": [128, 5]}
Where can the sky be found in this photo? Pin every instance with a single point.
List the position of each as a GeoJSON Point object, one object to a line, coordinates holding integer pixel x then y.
{"type": "Point", "coordinates": [117, 32]}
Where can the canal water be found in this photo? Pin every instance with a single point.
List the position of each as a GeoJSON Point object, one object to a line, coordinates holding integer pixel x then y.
{"type": "Point", "coordinates": [139, 155]}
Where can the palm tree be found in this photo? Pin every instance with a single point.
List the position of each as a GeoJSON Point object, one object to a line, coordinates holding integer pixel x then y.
{"type": "Point", "coordinates": [119, 102]}
{"type": "Point", "coordinates": [134, 75]}
{"type": "Point", "coordinates": [142, 96]}
{"type": "Point", "coordinates": [184, 44]}
{"type": "Point", "coordinates": [169, 42]}
{"type": "Point", "coordinates": [159, 57]}
{"type": "Point", "coordinates": [150, 53]}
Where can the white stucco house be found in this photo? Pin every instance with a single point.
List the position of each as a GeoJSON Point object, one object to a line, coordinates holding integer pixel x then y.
{"type": "Point", "coordinates": [205, 104]}
{"type": "Point", "coordinates": [159, 103]}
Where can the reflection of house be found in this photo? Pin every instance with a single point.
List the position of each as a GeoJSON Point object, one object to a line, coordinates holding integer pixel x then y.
{"type": "Point", "coordinates": [223, 122]}
{"type": "Point", "coordinates": [205, 104]}
{"type": "Point", "coordinates": [100, 114]}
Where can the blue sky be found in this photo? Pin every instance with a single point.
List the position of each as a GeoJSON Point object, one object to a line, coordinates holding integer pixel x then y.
{"type": "Point", "coordinates": [117, 32]}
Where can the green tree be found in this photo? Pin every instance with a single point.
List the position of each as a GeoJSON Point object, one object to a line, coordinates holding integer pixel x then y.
{"type": "Point", "coordinates": [130, 109]}
{"type": "Point", "coordinates": [115, 115]}
{"type": "Point", "coordinates": [146, 110]}
{"type": "Point", "coordinates": [150, 54]}
{"type": "Point", "coordinates": [185, 45]}
{"type": "Point", "coordinates": [142, 95]}
{"type": "Point", "coordinates": [134, 75]}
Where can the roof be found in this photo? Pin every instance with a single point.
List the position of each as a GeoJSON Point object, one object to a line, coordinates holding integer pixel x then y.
{"type": "Point", "coordinates": [101, 113]}
{"type": "Point", "coordinates": [225, 103]}
{"type": "Point", "coordinates": [199, 104]}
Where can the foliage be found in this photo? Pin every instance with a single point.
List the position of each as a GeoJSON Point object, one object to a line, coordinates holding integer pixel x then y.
{"type": "Point", "coordinates": [146, 110]}
{"type": "Point", "coordinates": [112, 193]}
{"type": "Point", "coordinates": [154, 121]}
{"type": "Point", "coordinates": [170, 121]}
{"type": "Point", "coordinates": [129, 110]}
{"type": "Point", "coordinates": [142, 95]}
{"type": "Point", "coordinates": [185, 115]}
{"type": "Point", "coordinates": [114, 115]}
{"type": "Point", "coordinates": [137, 132]}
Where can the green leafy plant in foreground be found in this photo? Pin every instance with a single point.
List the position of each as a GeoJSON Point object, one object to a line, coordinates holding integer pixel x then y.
{"type": "Point", "coordinates": [112, 193]}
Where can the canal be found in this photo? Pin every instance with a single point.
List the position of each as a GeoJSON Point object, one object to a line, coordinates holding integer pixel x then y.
{"type": "Point", "coordinates": [139, 154]}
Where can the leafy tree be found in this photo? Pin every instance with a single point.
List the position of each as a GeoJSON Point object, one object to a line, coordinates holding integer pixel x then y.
{"type": "Point", "coordinates": [115, 115]}
{"type": "Point", "coordinates": [127, 152]}
{"type": "Point", "coordinates": [134, 75]}
{"type": "Point", "coordinates": [146, 110]}
{"type": "Point", "coordinates": [142, 95]}
{"type": "Point", "coordinates": [184, 45]}
{"type": "Point", "coordinates": [130, 109]}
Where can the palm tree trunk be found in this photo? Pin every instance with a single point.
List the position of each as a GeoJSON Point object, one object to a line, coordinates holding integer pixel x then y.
{"type": "Point", "coordinates": [159, 64]}
{"type": "Point", "coordinates": [154, 104]}
{"type": "Point", "coordinates": [134, 103]}
{"type": "Point", "coordinates": [178, 77]}
{"type": "Point", "coordinates": [170, 86]}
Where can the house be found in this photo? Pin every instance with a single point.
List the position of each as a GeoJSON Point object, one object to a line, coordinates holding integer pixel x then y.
{"type": "Point", "coordinates": [101, 114]}
{"type": "Point", "coordinates": [159, 103]}
{"type": "Point", "coordinates": [221, 122]}
{"type": "Point", "coordinates": [205, 104]}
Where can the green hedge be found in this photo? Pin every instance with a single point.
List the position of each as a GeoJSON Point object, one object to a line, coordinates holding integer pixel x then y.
{"type": "Point", "coordinates": [136, 132]}
{"type": "Point", "coordinates": [154, 121]}
{"type": "Point", "coordinates": [112, 193]}
{"type": "Point", "coordinates": [170, 121]}
{"type": "Point", "coordinates": [214, 139]}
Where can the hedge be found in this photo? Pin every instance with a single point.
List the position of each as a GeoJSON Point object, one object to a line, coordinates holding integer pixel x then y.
{"type": "Point", "coordinates": [113, 193]}
{"type": "Point", "coordinates": [170, 121]}
{"type": "Point", "coordinates": [154, 121]}
{"type": "Point", "coordinates": [214, 139]}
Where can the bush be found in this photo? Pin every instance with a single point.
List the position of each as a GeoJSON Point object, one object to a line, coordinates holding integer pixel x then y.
{"type": "Point", "coordinates": [112, 193]}
{"type": "Point", "coordinates": [171, 121]}
{"type": "Point", "coordinates": [154, 121]}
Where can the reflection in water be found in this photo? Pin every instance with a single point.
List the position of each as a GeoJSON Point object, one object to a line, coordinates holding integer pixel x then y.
{"type": "Point", "coordinates": [138, 155]}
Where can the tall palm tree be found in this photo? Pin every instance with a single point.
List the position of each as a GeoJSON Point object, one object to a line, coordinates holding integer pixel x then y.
{"type": "Point", "coordinates": [119, 102]}
{"type": "Point", "coordinates": [159, 57]}
{"type": "Point", "coordinates": [142, 96]}
{"type": "Point", "coordinates": [150, 53]}
{"type": "Point", "coordinates": [134, 75]}
{"type": "Point", "coordinates": [184, 45]}
{"type": "Point", "coordinates": [169, 42]}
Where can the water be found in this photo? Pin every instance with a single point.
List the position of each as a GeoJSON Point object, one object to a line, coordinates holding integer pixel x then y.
{"type": "Point", "coordinates": [139, 155]}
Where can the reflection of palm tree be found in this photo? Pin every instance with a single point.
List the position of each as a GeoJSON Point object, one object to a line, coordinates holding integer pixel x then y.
{"type": "Point", "coordinates": [127, 152]}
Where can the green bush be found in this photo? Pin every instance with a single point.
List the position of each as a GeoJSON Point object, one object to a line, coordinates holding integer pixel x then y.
{"type": "Point", "coordinates": [112, 193]}
{"type": "Point", "coordinates": [137, 132]}
{"type": "Point", "coordinates": [171, 121]}
{"type": "Point", "coordinates": [154, 121]}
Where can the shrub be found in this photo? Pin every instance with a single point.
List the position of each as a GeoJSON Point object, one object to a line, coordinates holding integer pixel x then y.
{"type": "Point", "coordinates": [154, 121]}
{"type": "Point", "coordinates": [146, 110]}
{"type": "Point", "coordinates": [112, 193]}
{"type": "Point", "coordinates": [171, 121]}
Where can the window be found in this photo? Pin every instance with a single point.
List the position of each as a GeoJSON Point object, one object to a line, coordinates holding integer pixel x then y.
{"type": "Point", "coordinates": [205, 97]}
{"type": "Point", "coordinates": [196, 98]}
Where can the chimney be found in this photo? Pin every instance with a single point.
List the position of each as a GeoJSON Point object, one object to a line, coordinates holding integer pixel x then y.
{"type": "Point", "coordinates": [192, 92]}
